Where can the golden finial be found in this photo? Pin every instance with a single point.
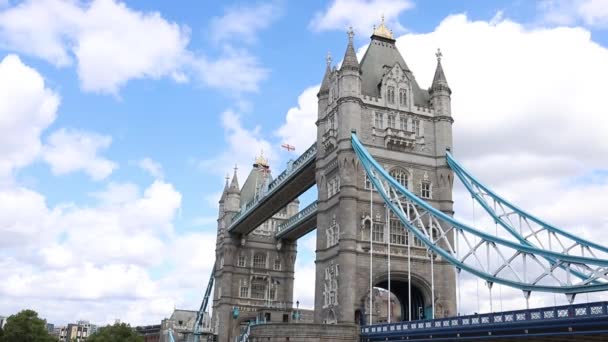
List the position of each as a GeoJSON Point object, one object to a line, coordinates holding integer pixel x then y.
{"type": "Point", "coordinates": [261, 160]}
{"type": "Point", "coordinates": [438, 54]}
{"type": "Point", "coordinates": [382, 30]}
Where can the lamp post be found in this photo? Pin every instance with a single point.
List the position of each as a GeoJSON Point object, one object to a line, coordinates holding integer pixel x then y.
{"type": "Point", "coordinates": [297, 310]}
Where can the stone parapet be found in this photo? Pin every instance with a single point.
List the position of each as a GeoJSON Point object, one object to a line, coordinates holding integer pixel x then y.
{"type": "Point", "coordinates": [304, 332]}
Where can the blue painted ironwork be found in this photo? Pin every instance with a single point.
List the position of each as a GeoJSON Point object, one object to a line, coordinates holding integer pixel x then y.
{"type": "Point", "coordinates": [492, 324]}
{"type": "Point", "coordinates": [201, 311]}
{"type": "Point", "coordinates": [303, 160]}
{"type": "Point", "coordinates": [437, 220]}
{"type": "Point", "coordinates": [570, 244]}
{"type": "Point", "coordinates": [304, 214]}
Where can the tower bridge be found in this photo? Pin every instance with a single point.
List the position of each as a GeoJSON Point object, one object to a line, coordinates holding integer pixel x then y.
{"type": "Point", "coordinates": [384, 173]}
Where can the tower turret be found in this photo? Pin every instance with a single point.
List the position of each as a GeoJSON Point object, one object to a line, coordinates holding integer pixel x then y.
{"type": "Point", "coordinates": [440, 91]}
{"type": "Point", "coordinates": [232, 203]}
{"type": "Point", "coordinates": [350, 72]}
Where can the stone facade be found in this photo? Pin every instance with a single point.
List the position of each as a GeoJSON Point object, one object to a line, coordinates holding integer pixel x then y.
{"type": "Point", "coordinates": [253, 272]}
{"type": "Point", "coordinates": [304, 332]}
{"type": "Point", "coordinates": [406, 129]}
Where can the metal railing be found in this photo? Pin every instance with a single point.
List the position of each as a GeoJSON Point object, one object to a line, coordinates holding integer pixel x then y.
{"type": "Point", "coordinates": [503, 319]}
{"type": "Point", "coordinates": [297, 218]}
{"type": "Point", "coordinates": [292, 168]}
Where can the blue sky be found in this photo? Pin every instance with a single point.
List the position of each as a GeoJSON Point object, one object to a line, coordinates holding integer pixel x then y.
{"type": "Point", "coordinates": [120, 120]}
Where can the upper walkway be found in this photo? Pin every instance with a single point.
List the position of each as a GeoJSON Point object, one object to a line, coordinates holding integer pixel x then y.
{"type": "Point", "coordinates": [291, 183]}
{"type": "Point", "coordinates": [550, 323]}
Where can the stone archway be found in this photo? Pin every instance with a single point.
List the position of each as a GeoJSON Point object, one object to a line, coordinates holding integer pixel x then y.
{"type": "Point", "coordinates": [421, 295]}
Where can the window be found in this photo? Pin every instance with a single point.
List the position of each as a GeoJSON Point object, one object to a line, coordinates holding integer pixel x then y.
{"type": "Point", "coordinates": [391, 121]}
{"type": "Point", "coordinates": [368, 182]}
{"type": "Point", "coordinates": [272, 294]}
{"type": "Point", "coordinates": [244, 293]}
{"type": "Point", "coordinates": [402, 97]}
{"type": "Point", "coordinates": [332, 234]}
{"type": "Point", "coordinates": [333, 185]}
{"type": "Point", "coordinates": [402, 123]}
{"type": "Point", "coordinates": [277, 264]}
{"type": "Point", "coordinates": [258, 289]}
{"type": "Point", "coordinates": [259, 260]}
{"type": "Point", "coordinates": [400, 176]}
{"type": "Point", "coordinates": [332, 122]}
{"type": "Point", "coordinates": [378, 121]}
{"type": "Point", "coordinates": [425, 190]}
{"type": "Point", "coordinates": [241, 261]}
{"type": "Point", "coordinates": [398, 233]}
{"type": "Point", "coordinates": [418, 243]}
{"type": "Point", "coordinates": [416, 127]}
{"type": "Point", "coordinates": [378, 232]}
{"type": "Point", "coordinates": [390, 94]}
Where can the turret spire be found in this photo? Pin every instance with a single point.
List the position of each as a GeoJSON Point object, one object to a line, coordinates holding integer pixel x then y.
{"type": "Point", "coordinates": [325, 83]}
{"type": "Point", "coordinates": [234, 185]}
{"type": "Point", "coordinates": [439, 81]}
{"type": "Point", "coordinates": [350, 57]}
{"type": "Point", "coordinates": [226, 186]}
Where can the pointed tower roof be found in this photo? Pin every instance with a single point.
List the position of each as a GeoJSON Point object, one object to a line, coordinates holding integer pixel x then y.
{"type": "Point", "coordinates": [225, 189]}
{"type": "Point", "coordinates": [325, 83]}
{"type": "Point", "coordinates": [382, 53]}
{"type": "Point", "coordinates": [350, 57]}
{"type": "Point", "coordinates": [234, 185]}
{"type": "Point", "coordinates": [439, 80]}
{"type": "Point", "coordinates": [258, 176]}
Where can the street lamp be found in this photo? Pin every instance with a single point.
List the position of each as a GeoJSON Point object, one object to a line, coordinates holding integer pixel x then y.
{"type": "Point", "coordinates": [296, 314]}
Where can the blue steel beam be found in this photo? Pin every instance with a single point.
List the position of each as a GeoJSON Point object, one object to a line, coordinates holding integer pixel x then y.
{"type": "Point", "coordinates": [298, 225]}
{"type": "Point", "coordinates": [372, 167]}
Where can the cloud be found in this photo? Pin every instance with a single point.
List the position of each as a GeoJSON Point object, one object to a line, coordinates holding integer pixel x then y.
{"type": "Point", "coordinates": [593, 13]}
{"type": "Point", "coordinates": [27, 108]}
{"type": "Point", "coordinates": [362, 15]}
{"type": "Point", "coordinates": [73, 150]}
{"type": "Point", "coordinates": [299, 128]}
{"type": "Point", "coordinates": [236, 70]}
{"type": "Point", "coordinates": [151, 167]}
{"type": "Point", "coordinates": [243, 145]}
{"type": "Point", "coordinates": [110, 44]}
{"type": "Point", "coordinates": [243, 22]}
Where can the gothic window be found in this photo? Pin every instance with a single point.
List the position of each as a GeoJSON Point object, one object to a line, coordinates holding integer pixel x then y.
{"type": "Point", "coordinates": [259, 260]}
{"type": "Point", "coordinates": [425, 190]}
{"type": "Point", "coordinates": [378, 232]}
{"type": "Point", "coordinates": [277, 264]}
{"type": "Point", "coordinates": [333, 185]}
{"type": "Point", "coordinates": [402, 97]}
{"type": "Point", "coordinates": [398, 233]}
{"type": "Point", "coordinates": [332, 233]}
{"type": "Point", "coordinates": [330, 287]}
{"type": "Point", "coordinates": [391, 121]}
{"type": "Point", "coordinates": [258, 288]}
{"type": "Point", "coordinates": [418, 242]}
{"type": "Point", "coordinates": [244, 291]}
{"type": "Point", "coordinates": [400, 176]}
{"type": "Point", "coordinates": [332, 122]}
{"type": "Point", "coordinates": [241, 261]}
{"type": "Point", "coordinates": [366, 229]}
{"type": "Point", "coordinates": [368, 182]}
{"type": "Point", "coordinates": [272, 294]}
{"type": "Point", "coordinates": [379, 119]}
{"type": "Point", "coordinates": [402, 123]}
{"type": "Point", "coordinates": [390, 94]}
{"type": "Point", "coordinates": [416, 127]}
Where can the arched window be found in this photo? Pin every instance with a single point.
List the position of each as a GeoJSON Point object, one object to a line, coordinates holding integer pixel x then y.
{"type": "Point", "coordinates": [400, 176]}
{"type": "Point", "coordinates": [402, 97]}
{"type": "Point", "coordinates": [259, 260]}
{"type": "Point", "coordinates": [390, 94]}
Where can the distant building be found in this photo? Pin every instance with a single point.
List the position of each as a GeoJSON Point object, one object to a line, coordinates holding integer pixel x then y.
{"type": "Point", "coordinates": [2, 321]}
{"type": "Point", "coordinates": [78, 332]}
{"type": "Point", "coordinates": [150, 333]}
{"type": "Point", "coordinates": [50, 328]}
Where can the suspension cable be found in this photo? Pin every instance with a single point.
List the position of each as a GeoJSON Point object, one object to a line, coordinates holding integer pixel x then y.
{"type": "Point", "coordinates": [371, 248]}
{"type": "Point", "coordinates": [475, 240]}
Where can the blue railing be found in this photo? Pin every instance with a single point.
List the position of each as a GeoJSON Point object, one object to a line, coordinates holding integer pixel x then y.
{"type": "Point", "coordinates": [502, 319]}
{"type": "Point", "coordinates": [292, 168]}
{"type": "Point", "coordinates": [297, 218]}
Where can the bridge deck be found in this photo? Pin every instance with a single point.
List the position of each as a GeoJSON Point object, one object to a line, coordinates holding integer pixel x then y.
{"type": "Point", "coordinates": [285, 188]}
{"type": "Point", "coordinates": [587, 322]}
{"type": "Point", "coordinates": [300, 224]}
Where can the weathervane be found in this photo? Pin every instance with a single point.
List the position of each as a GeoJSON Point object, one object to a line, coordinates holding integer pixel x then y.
{"type": "Point", "coordinates": [438, 54]}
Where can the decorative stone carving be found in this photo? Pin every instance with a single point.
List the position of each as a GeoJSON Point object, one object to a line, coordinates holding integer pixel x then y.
{"type": "Point", "coordinates": [332, 233]}
{"type": "Point", "coordinates": [330, 286]}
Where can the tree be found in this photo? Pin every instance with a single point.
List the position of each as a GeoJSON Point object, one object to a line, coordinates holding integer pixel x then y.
{"type": "Point", "coordinates": [25, 327]}
{"type": "Point", "coordinates": [118, 332]}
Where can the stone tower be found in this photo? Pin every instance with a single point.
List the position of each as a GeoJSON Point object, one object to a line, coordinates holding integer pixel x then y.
{"type": "Point", "coordinates": [407, 129]}
{"type": "Point", "coordinates": [254, 275]}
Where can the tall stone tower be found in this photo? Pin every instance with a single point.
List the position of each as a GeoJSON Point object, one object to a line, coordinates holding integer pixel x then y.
{"type": "Point", "coordinates": [254, 275]}
{"type": "Point", "coordinates": [405, 128]}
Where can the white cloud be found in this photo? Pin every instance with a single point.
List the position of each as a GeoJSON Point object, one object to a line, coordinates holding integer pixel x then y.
{"type": "Point", "coordinates": [242, 22]}
{"type": "Point", "coordinates": [27, 108]}
{"type": "Point", "coordinates": [151, 167]}
{"type": "Point", "coordinates": [568, 12]}
{"type": "Point", "coordinates": [72, 150]}
{"type": "Point", "coordinates": [362, 15]}
{"type": "Point", "coordinates": [299, 128]}
{"type": "Point", "coordinates": [243, 145]}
